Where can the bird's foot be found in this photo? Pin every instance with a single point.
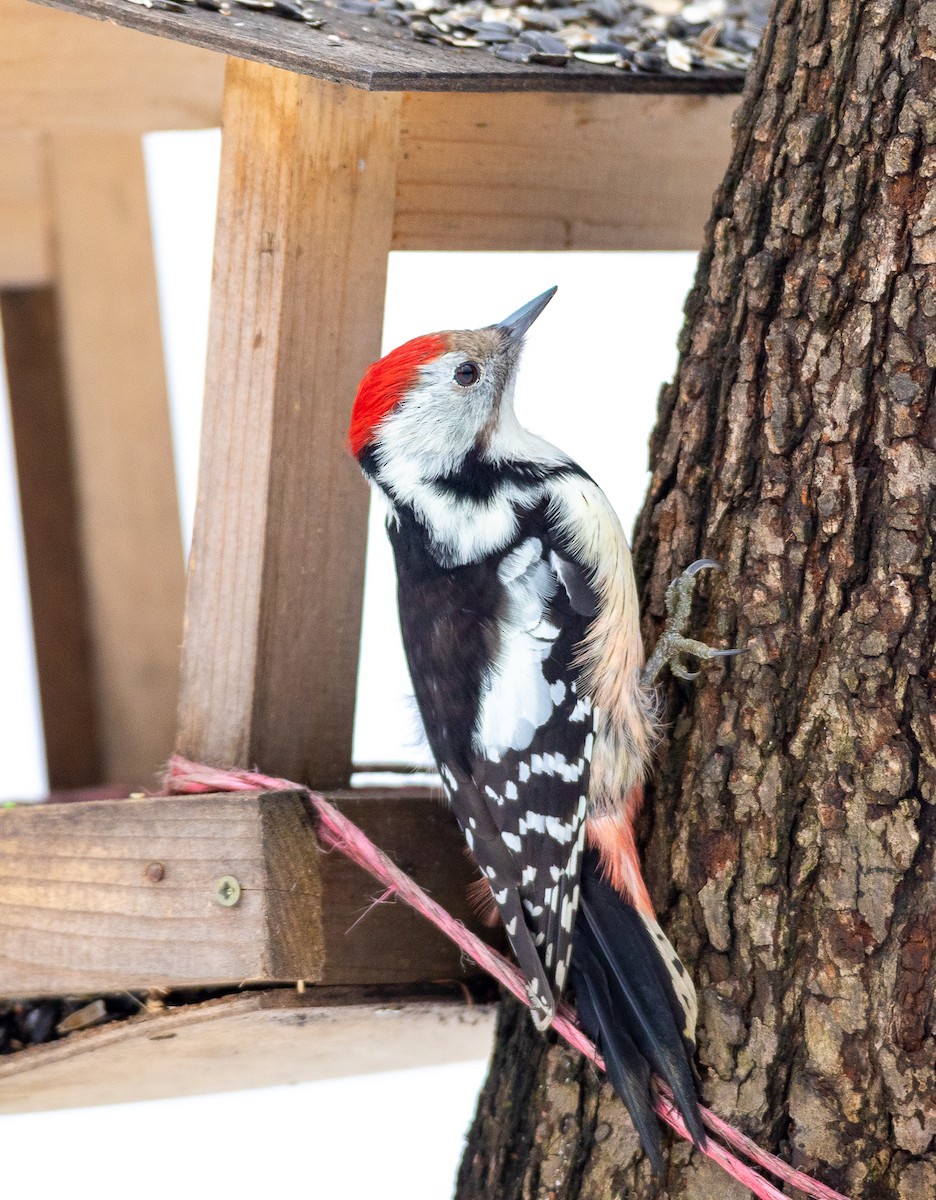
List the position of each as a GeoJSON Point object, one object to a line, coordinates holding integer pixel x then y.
{"type": "Point", "coordinates": [673, 646]}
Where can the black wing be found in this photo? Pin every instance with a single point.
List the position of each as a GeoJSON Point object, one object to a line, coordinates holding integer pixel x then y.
{"type": "Point", "coordinates": [491, 649]}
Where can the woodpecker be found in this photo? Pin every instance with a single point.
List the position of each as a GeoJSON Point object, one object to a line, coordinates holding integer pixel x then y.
{"type": "Point", "coordinates": [519, 614]}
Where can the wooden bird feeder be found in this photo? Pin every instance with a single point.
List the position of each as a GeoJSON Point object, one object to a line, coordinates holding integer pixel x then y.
{"type": "Point", "coordinates": [338, 147]}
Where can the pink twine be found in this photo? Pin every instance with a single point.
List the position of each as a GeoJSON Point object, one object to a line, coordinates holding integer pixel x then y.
{"type": "Point", "coordinates": [336, 832]}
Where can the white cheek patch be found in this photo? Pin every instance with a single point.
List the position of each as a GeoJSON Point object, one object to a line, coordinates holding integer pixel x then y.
{"type": "Point", "coordinates": [518, 699]}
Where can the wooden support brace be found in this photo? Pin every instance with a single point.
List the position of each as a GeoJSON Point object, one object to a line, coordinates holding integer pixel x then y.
{"type": "Point", "coordinates": [131, 542]}
{"type": "Point", "coordinates": [109, 896]}
{"type": "Point", "coordinates": [25, 221]}
{"type": "Point", "coordinates": [276, 575]}
{"type": "Point", "coordinates": [52, 536]}
{"type": "Point", "coordinates": [236, 1042]}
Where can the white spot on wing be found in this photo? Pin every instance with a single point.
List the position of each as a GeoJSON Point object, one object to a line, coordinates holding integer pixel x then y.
{"type": "Point", "coordinates": [560, 830]}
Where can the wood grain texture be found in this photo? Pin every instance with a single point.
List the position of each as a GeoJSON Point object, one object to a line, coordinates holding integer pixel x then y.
{"type": "Point", "coordinates": [49, 509]}
{"type": "Point", "coordinates": [371, 942]}
{"type": "Point", "coordinates": [554, 172]}
{"type": "Point", "coordinates": [254, 1040]}
{"type": "Point", "coordinates": [131, 540]}
{"type": "Point", "coordinates": [25, 220]}
{"type": "Point", "coordinates": [82, 911]}
{"type": "Point", "coordinates": [59, 72]}
{"type": "Point", "coordinates": [277, 567]}
{"type": "Point", "coordinates": [379, 57]}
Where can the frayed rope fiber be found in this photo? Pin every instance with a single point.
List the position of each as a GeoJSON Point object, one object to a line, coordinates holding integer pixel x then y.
{"type": "Point", "coordinates": [336, 832]}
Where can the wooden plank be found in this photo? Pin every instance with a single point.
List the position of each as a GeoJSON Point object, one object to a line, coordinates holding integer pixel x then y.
{"type": "Point", "coordinates": [370, 942]}
{"type": "Point", "coordinates": [254, 1040]}
{"type": "Point", "coordinates": [102, 896]}
{"type": "Point", "coordinates": [58, 72]}
{"type": "Point", "coordinates": [113, 895]}
{"type": "Point", "coordinates": [131, 540]}
{"type": "Point", "coordinates": [276, 574]}
{"type": "Point", "coordinates": [25, 228]}
{"type": "Point", "coordinates": [380, 57]}
{"type": "Point", "coordinates": [551, 172]}
{"type": "Point", "coordinates": [48, 504]}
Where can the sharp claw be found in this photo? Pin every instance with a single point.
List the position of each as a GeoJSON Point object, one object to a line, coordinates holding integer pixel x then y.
{"type": "Point", "coordinates": [682, 673]}
{"type": "Point", "coordinates": [727, 653]}
{"type": "Point", "coordinates": [701, 564]}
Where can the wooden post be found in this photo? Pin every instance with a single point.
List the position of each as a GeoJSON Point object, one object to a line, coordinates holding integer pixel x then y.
{"type": "Point", "coordinates": [48, 503]}
{"type": "Point", "coordinates": [25, 227]}
{"type": "Point", "coordinates": [131, 544]}
{"type": "Point", "coordinates": [276, 574]}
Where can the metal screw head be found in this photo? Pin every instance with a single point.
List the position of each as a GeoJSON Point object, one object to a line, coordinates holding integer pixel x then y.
{"type": "Point", "coordinates": [155, 872]}
{"type": "Point", "coordinates": [227, 891]}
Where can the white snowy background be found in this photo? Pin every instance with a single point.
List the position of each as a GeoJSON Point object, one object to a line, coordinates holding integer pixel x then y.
{"type": "Point", "coordinates": [592, 371]}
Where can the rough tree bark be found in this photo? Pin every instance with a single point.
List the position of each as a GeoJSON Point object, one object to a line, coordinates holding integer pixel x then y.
{"type": "Point", "coordinates": [789, 837]}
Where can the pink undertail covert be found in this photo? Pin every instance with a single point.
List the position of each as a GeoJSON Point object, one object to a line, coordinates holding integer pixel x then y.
{"type": "Point", "coordinates": [336, 832]}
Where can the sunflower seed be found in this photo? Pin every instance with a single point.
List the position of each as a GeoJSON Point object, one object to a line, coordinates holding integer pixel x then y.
{"type": "Point", "coordinates": [600, 60]}
{"type": "Point", "coordinates": [287, 8]}
{"type": "Point", "coordinates": [678, 55]}
{"type": "Point", "coordinates": [550, 60]}
{"type": "Point", "coordinates": [543, 43]}
{"type": "Point", "coordinates": [703, 11]}
{"type": "Point", "coordinates": [541, 19]}
{"type": "Point", "coordinates": [645, 61]}
{"type": "Point", "coordinates": [608, 12]}
{"type": "Point", "coordinates": [514, 52]}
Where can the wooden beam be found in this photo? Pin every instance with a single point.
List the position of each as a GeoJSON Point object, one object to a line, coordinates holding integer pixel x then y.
{"type": "Point", "coordinates": [113, 895]}
{"type": "Point", "coordinates": [131, 542]}
{"type": "Point", "coordinates": [276, 575]}
{"type": "Point", "coordinates": [60, 72]}
{"type": "Point", "coordinates": [371, 942]}
{"type": "Point", "coordinates": [553, 172]}
{"type": "Point", "coordinates": [48, 503]}
{"type": "Point", "coordinates": [25, 225]}
{"type": "Point", "coordinates": [103, 896]}
{"type": "Point", "coordinates": [248, 1041]}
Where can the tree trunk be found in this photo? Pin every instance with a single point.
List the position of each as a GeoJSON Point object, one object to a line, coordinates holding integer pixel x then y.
{"type": "Point", "coordinates": [789, 837]}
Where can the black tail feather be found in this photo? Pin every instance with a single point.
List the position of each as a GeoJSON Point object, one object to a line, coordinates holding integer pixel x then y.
{"type": "Point", "coordinates": [627, 1068]}
{"type": "Point", "coordinates": [626, 1003]}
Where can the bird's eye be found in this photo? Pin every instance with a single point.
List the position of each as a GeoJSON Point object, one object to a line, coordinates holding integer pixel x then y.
{"type": "Point", "coordinates": [467, 373]}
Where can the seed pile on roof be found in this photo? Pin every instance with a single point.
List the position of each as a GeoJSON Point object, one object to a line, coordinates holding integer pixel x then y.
{"type": "Point", "coordinates": [657, 36]}
{"type": "Point", "coordinates": [651, 37]}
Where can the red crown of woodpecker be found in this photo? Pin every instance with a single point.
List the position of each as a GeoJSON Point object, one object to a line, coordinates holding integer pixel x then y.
{"type": "Point", "coordinates": [384, 384]}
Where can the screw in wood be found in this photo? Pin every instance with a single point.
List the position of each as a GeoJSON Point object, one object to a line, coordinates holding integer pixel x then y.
{"type": "Point", "coordinates": [227, 891]}
{"type": "Point", "coordinates": [155, 872]}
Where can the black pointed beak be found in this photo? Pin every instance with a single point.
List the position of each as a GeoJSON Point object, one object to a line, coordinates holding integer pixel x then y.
{"type": "Point", "coordinates": [516, 325]}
